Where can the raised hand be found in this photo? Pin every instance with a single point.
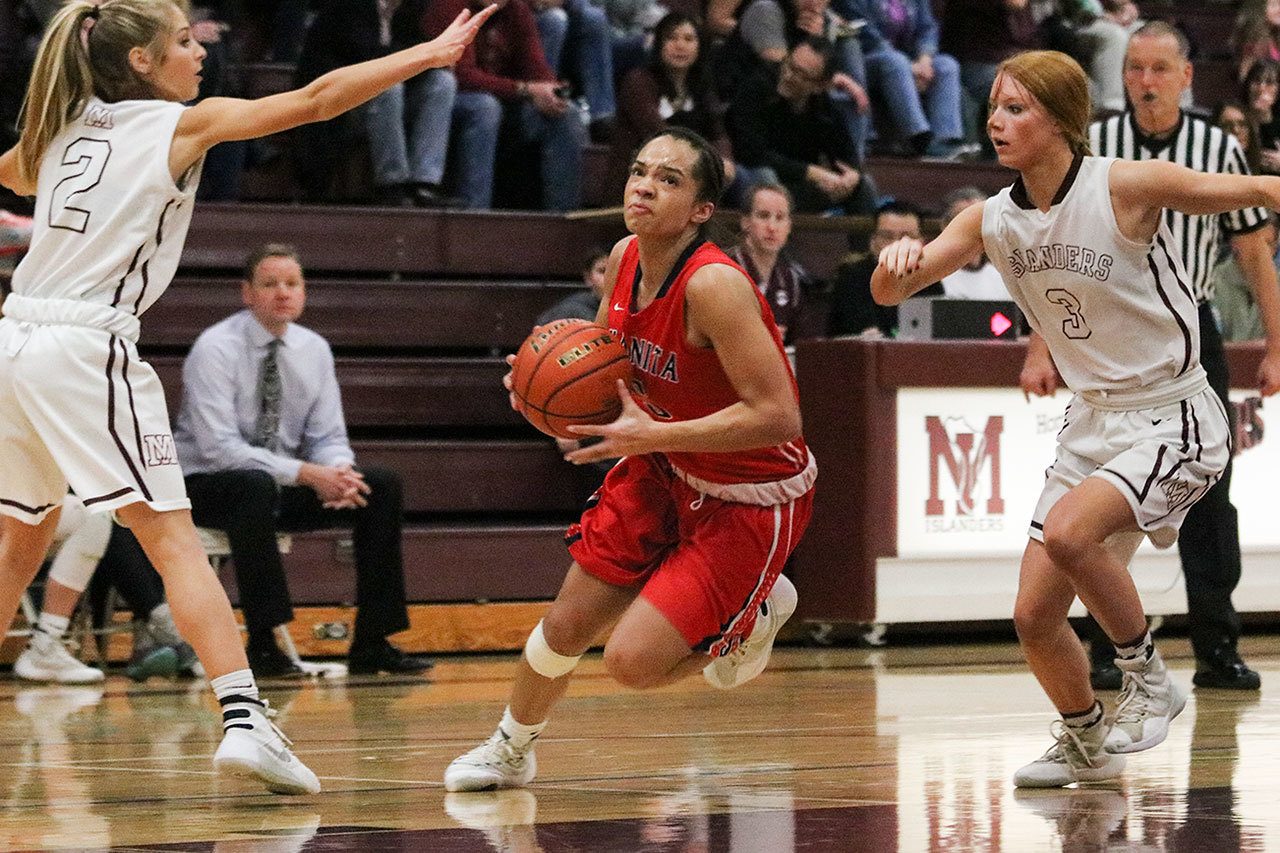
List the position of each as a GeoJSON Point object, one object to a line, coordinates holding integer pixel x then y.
{"type": "Point", "coordinates": [451, 43]}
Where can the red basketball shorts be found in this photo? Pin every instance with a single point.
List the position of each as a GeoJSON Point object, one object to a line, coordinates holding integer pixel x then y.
{"type": "Point", "coordinates": [706, 564]}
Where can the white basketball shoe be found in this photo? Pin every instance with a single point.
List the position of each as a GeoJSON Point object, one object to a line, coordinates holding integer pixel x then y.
{"type": "Point", "coordinates": [257, 749]}
{"type": "Point", "coordinates": [1149, 700]}
{"type": "Point", "coordinates": [752, 655]}
{"type": "Point", "coordinates": [494, 764]}
{"type": "Point", "coordinates": [46, 659]}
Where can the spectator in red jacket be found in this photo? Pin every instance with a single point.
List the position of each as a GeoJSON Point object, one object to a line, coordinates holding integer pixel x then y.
{"type": "Point", "coordinates": [505, 84]}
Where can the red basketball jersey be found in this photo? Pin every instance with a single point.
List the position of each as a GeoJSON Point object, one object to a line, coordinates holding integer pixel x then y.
{"type": "Point", "coordinates": [674, 381]}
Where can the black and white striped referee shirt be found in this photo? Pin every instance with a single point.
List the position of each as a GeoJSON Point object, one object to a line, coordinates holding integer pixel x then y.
{"type": "Point", "coordinates": [1198, 145]}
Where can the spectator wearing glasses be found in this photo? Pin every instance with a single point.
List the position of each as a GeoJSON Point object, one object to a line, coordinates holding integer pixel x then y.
{"type": "Point", "coordinates": [785, 130]}
{"type": "Point", "coordinates": [853, 311]}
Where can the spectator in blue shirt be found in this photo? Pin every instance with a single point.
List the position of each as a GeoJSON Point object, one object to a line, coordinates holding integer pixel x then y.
{"type": "Point", "coordinates": [910, 82]}
{"type": "Point", "coordinates": [262, 441]}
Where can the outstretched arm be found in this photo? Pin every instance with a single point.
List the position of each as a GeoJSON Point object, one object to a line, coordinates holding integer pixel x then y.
{"type": "Point", "coordinates": [1146, 186]}
{"type": "Point", "coordinates": [224, 119]}
{"type": "Point", "coordinates": [908, 265]}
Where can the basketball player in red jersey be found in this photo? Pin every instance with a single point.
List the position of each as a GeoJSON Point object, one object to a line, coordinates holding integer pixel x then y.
{"type": "Point", "coordinates": [683, 545]}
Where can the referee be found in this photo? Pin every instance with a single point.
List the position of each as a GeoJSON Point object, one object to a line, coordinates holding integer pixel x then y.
{"type": "Point", "coordinates": [1157, 71]}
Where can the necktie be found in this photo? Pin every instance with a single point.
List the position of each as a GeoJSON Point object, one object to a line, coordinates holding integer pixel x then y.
{"type": "Point", "coordinates": [266, 432]}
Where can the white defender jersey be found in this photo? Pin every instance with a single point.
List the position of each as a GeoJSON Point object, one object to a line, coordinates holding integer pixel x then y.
{"type": "Point", "coordinates": [110, 222]}
{"type": "Point", "coordinates": [1116, 314]}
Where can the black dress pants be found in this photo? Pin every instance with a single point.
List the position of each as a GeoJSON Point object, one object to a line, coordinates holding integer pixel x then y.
{"type": "Point", "coordinates": [251, 508]}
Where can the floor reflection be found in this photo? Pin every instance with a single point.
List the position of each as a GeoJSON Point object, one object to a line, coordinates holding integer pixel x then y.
{"type": "Point", "coordinates": [910, 750]}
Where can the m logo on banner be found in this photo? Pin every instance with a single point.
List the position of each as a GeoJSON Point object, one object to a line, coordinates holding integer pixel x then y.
{"type": "Point", "coordinates": [967, 455]}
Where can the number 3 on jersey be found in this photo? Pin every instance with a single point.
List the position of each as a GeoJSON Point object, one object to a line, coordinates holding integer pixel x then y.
{"type": "Point", "coordinates": [82, 166]}
{"type": "Point", "coordinates": [1074, 326]}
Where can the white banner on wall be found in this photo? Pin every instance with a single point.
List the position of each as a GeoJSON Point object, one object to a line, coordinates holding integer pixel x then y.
{"type": "Point", "coordinates": [971, 465]}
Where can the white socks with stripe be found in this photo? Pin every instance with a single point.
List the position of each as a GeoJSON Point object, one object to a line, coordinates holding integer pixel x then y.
{"type": "Point", "coordinates": [237, 693]}
{"type": "Point", "coordinates": [52, 625]}
{"type": "Point", "coordinates": [519, 735]}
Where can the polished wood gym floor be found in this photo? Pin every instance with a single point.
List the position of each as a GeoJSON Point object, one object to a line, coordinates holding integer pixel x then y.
{"type": "Point", "coordinates": [907, 749]}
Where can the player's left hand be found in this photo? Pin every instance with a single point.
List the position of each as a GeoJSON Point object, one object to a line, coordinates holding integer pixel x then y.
{"type": "Point", "coordinates": [630, 434]}
{"type": "Point", "coordinates": [1269, 373]}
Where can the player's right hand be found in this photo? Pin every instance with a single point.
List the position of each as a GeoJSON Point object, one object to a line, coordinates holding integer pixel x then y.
{"type": "Point", "coordinates": [902, 257]}
{"type": "Point", "coordinates": [448, 47]}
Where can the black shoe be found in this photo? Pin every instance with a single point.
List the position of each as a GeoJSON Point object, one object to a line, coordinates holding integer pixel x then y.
{"type": "Point", "coordinates": [1223, 669]}
{"type": "Point", "coordinates": [1105, 675]}
{"type": "Point", "coordinates": [273, 663]}
{"type": "Point", "coordinates": [429, 196]}
{"type": "Point", "coordinates": [384, 657]}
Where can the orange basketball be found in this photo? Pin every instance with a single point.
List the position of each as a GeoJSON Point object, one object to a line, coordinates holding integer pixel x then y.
{"type": "Point", "coordinates": [566, 373]}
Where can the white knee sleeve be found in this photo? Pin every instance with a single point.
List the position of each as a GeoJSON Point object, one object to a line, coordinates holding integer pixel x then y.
{"type": "Point", "coordinates": [81, 551]}
{"type": "Point", "coordinates": [545, 660]}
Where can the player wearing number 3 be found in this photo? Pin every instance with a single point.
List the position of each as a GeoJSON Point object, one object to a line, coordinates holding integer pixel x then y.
{"type": "Point", "coordinates": [1082, 245]}
{"type": "Point", "coordinates": [113, 159]}
{"type": "Point", "coordinates": [680, 550]}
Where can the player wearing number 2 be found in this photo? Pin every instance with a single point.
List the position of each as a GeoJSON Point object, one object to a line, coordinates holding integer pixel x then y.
{"type": "Point", "coordinates": [113, 159]}
{"type": "Point", "coordinates": [679, 552]}
{"type": "Point", "coordinates": [1083, 247]}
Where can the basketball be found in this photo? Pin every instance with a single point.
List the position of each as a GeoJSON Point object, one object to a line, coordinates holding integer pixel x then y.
{"type": "Point", "coordinates": [566, 373]}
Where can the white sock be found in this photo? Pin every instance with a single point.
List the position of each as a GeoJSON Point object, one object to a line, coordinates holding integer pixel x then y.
{"type": "Point", "coordinates": [54, 626]}
{"type": "Point", "coordinates": [1144, 648]}
{"type": "Point", "coordinates": [237, 693]}
{"type": "Point", "coordinates": [518, 734]}
{"type": "Point", "coordinates": [1086, 719]}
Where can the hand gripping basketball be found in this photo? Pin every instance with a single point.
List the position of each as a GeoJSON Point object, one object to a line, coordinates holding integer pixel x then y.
{"type": "Point", "coordinates": [565, 374]}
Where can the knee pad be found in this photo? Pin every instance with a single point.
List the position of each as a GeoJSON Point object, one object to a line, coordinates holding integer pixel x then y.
{"type": "Point", "coordinates": [545, 660]}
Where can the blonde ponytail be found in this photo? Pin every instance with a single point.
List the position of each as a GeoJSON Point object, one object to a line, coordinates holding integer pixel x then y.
{"type": "Point", "coordinates": [61, 84]}
{"type": "Point", "coordinates": [85, 52]}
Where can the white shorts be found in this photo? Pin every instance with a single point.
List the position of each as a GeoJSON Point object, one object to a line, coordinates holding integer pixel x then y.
{"type": "Point", "coordinates": [79, 408]}
{"type": "Point", "coordinates": [1162, 460]}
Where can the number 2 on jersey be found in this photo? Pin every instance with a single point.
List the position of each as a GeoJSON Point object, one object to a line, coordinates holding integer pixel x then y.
{"type": "Point", "coordinates": [82, 166]}
{"type": "Point", "coordinates": [1074, 326]}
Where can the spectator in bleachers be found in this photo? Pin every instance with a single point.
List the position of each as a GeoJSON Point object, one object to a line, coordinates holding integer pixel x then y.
{"type": "Point", "coordinates": [981, 34]}
{"type": "Point", "coordinates": [1260, 88]}
{"type": "Point", "coordinates": [977, 279]}
{"type": "Point", "coordinates": [1235, 120]}
{"type": "Point", "coordinates": [584, 303]}
{"type": "Point", "coordinates": [722, 17]}
{"type": "Point", "coordinates": [768, 29]}
{"type": "Point", "coordinates": [853, 311]}
{"type": "Point", "coordinates": [407, 126]}
{"type": "Point", "coordinates": [785, 130]}
{"type": "Point", "coordinates": [632, 23]}
{"type": "Point", "coordinates": [766, 227]}
{"type": "Point", "coordinates": [580, 29]}
{"type": "Point", "coordinates": [1082, 29]}
{"type": "Point", "coordinates": [261, 438]}
{"type": "Point", "coordinates": [673, 88]}
{"type": "Point", "coordinates": [912, 85]}
{"type": "Point", "coordinates": [1257, 34]}
{"type": "Point", "coordinates": [506, 87]}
